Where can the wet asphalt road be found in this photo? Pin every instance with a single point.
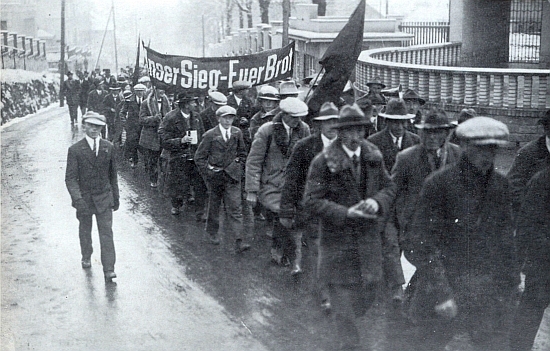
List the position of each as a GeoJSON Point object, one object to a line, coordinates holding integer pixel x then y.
{"type": "Point", "coordinates": [174, 290]}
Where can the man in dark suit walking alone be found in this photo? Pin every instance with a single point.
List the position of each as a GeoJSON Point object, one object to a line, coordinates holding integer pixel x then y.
{"type": "Point", "coordinates": [91, 179]}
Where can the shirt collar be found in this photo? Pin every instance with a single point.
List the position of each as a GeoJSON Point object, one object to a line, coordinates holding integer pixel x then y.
{"type": "Point", "coordinates": [238, 99]}
{"type": "Point", "coordinates": [350, 153]}
{"type": "Point", "coordinates": [548, 143]}
{"type": "Point", "coordinates": [394, 138]}
{"type": "Point", "coordinates": [185, 115]}
{"type": "Point", "coordinates": [287, 127]}
{"type": "Point", "coordinates": [222, 129]}
{"type": "Point", "coordinates": [326, 141]}
{"type": "Point", "coordinates": [91, 142]}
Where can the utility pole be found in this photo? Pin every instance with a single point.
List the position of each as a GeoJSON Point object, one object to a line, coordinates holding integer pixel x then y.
{"type": "Point", "coordinates": [286, 15]}
{"type": "Point", "coordinates": [203, 53]}
{"type": "Point", "coordinates": [114, 36]}
{"type": "Point", "coordinates": [62, 60]}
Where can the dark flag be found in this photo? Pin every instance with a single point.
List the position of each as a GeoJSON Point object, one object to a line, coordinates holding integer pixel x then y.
{"type": "Point", "coordinates": [338, 62]}
{"type": "Point", "coordinates": [135, 76]}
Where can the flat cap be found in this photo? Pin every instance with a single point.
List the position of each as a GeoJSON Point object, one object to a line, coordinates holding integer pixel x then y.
{"type": "Point", "coordinates": [241, 85]}
{"type": "Point", "coordinates": [144, 79]}
{"type": "Point", "coordinates": [139, 86]}
{"type": "Point", "coordinates": [267, 92]}
{"type": "Point", "coordinates": [225, 111]}
{"type": "Point", "coordinates": [217, 98]}
{"type": "Point", "coordinates": [94, 118]}
{"type": "Point", "coordinates": [483, 131]}
{"type": "Point", "coordinates": [294, 107]}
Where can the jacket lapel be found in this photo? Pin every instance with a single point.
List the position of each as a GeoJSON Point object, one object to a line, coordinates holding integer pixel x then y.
{"type": "Point", "coordinates": [218, 136]}
{"type": "Point", "coordinates": [87, 151]}
{"type": "Point", "coordinates": [103, 151]}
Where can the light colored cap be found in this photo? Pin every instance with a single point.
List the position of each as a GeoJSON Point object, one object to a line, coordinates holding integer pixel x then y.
{"type": "Point", "coordinates": [288, 87]}
{"type": "Point", "coordinates": [139, 86]}
{"type": "Point", "coordinates": [144, 79]}
{"type": "Point", "coordinates": [94, 118]}
{"type": "Point", "coordinates": [483, 131]}
{"type": "Point", "coordinates": [241, 85]}
{"type": "Point", "coordinates": [225, 111]}
{"type": "Point", "coordinates": [328, 111]}
{"type": "Point", "coordinates": [217, 98]}
{"type": "Point", "coordinates": [267, 92]}
{"type": "Point", "coordinates": [294, 107]}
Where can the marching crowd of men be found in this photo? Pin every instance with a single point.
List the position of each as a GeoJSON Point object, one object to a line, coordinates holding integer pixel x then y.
{"type": "Point", "coordinates": [363, 184]}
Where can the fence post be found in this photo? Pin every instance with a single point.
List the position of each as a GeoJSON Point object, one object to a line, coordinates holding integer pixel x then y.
{"type": "Point", "coordinates": [14, 35]}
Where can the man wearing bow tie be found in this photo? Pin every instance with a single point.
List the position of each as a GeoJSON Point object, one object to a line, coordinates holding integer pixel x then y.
{"type": "Point", "coordinates": [91, 179]}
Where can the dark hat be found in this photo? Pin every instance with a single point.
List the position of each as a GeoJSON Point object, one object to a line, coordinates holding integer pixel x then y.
{"type": "Point", "coordinates": [436, 119]}
{"type": "Point", "coordinates": [351, 115]}
{"type": "Point", "coordinates": [69, 73]}
{"type": "Point", "coordinates": [184, 97]}
{"type": "Point", "coordinates": [328, 111]}
{"type": "Point", "coordinates": [127, 94]}
{"type": "Point", "coordinates": [241, 85]}
{"type": "Point", "coordinates": [114, 86]}
{"type": "Point", "coordinates": [377, 81]}
{"type": "Point", "coordinates": [396, 109]}
{"type": "Point", "coordinates": [412, 95]}
{"type": "Point", "coordinates": [94, 118]}
{"type": "Point", "coordinates": [465, 114]}
{"type": "Point", "coordinates": [483, 131]}
{"type": "Point", "coordinates": [545, 121]}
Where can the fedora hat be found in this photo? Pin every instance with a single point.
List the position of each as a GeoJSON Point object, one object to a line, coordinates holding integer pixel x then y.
{"type": "Point", "coordinates": [184, 97]}
{"type": "Point", "coordinates": [412, 95]}
{"type": "Point", "coordinates": [328, 111]}
{"type": "Point", "coordinates": [288, 88]}
{"type": "Point", "coordinates": [350, 116]}
{"type": "Point", "coordinates": [114, 86]}
{"type": "Point", "coordinates": [377, 81]}
{"type": "Point", "coordinates": [436, 119]}
{"type": "Point", "coordinates": [396, 109]}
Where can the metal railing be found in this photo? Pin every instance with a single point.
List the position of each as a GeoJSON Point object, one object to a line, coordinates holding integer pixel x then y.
{"type": "Point", "coordinates": [426, 32]}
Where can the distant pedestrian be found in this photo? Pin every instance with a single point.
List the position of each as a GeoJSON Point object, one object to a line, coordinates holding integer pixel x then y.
{"type": "Point", "coordinates": [129, 115]}
{"type": "Point", "coordinates": [219, 157]}
{"type": "Point", "coordinates": [91, 178]}
{"type": "Point", "coordinates": [239, 100]}
{"type": "Point", "coordinates": [85, 86]}
{"type": "Point", "coordinates": [208, 116]}
{"type": "Point", "coordinates": [268, 98]}
{"type": "Point", "coordinates": [461, 241]}
{"type": "Point", "coordinates": [71, 92]}
{"type": "Point", "coordinates": [414, 102]}
{"type": "Point", "coordinates": [112, 104]}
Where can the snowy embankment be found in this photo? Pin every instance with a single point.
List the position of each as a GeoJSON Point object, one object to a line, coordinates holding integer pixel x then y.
{"type": "Point", "coordinates": [25, 92]}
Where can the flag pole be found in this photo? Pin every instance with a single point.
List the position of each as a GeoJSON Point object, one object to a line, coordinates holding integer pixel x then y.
{"type": "Point", "coordinates": [314, 81]}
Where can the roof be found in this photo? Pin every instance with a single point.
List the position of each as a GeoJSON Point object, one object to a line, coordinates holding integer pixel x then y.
{"type": "Point", "coordinates": [316, 37]}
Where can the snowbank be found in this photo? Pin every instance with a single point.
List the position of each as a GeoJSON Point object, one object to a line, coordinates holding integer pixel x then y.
{"type": "Point", "coordinates": [25, 92]}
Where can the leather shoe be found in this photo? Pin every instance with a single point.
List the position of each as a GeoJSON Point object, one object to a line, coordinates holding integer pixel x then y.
{"type": "Point", "coordinates": [109, 276]}
{"type": "Point", "coordinates": [214, 240]}
{"type": "Point", "coordinates": [240, 246]}
{"type": "Point", "coordinates": [86, 263]}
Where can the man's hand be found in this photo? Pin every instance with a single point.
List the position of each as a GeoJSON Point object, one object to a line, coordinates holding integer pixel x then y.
{"type": "Point", "coordinates": [186, 139]}
{"type": "Point", "coordinates": [116, 204]}
{"type": "Point", "coordinates": [447, 309]}
{"type": "Point", "coordinates": [252, 198]}
{"type": "Point", "coordinates": [288, 223]}
{"type": "Point", "coordinates": [81, 206]}
{"type": "Point", "coordinates": [370, 206]}
{"type": "Point", "coordinates": [356, 211]}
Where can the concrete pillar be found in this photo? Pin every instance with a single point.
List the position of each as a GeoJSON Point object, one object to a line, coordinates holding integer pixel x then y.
{"type": "Point", "coordinates": [483, 28]}
{"type": "Point", "coordinates": [545, 36]}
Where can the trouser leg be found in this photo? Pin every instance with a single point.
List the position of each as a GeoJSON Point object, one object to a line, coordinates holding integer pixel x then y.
{"type": "Point", "coordinates": [105, 229]}
{"type": "Point", "coordinates": [534, 301]}
{"type": "Point", "coordinates": [73, 113]}
{"type": "Point", "coordinates": [248, 213]}
{"type": "Point", "coordinates": [85, 234]}
{"type": "Point", "coordinates": [197, 183]}
{"type": "Point", "coordinates": [233, 208]}
{"type": "Point", "coordinates": [393, 271]}
{"type": "Point", "coordinates": [215, 192]}
{"type": "Point", "coordinates": [343, 316]}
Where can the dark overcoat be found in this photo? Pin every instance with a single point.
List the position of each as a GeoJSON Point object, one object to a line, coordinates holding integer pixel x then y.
{"type": "Point", "coordinates": [208, 118]}
{"type": "Point", "coordinates": [245, 109]}
{"type": "Point", "coordinates": [411, 168]}
{"type": "Point", "coordinates": [215, 153]}
{"type": "Point", "coordinates": [296, 175]}
{"type": "Point", "coordinates": [384, 142]}
{"type": "Point", "coordinates": [530, 159]}
{"type": "Point", "coordinates": [95, 101]}
{"type": "Point", "coordinates": [150, 117]}
{"type": "Point", "coordinates": [71, 91]}
{"type": "Point", "coordinates": [331, 188]}
{"type": "Point", "coordinates": [129, 114]}
{"type": "Point", "coordinates": [462, 243]}
{"type": "Point", "coordinates": [91, 178]}
{"type": "Point", "coordinates": [111, 111]}
{"type": "Point", "coordinates": [261, 118]}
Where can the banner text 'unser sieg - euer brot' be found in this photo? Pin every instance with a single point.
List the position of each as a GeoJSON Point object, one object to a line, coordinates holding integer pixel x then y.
{"type": "Point", "coordinates": [175, 73]}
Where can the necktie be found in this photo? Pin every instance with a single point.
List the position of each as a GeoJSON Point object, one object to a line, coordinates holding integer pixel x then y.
{"type": "Point", "coordinates": [397, 143]}
{"type": "Point", "coordinates": [95, 148]}
{"type": "Point", "coordinates": [226, 135]}
{"type": "Point", "coordinates": [355, 160]}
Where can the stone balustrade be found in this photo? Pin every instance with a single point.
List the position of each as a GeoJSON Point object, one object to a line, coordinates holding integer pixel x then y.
{"type": "Point", "coordinates": [434, 72]}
